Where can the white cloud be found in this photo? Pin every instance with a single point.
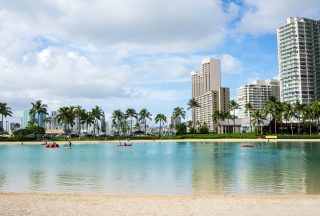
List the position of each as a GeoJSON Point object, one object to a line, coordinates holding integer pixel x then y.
{"type": "Point", "coordinates": [261, 17]}
{"type": "Point", "coordinates": [230, 64]}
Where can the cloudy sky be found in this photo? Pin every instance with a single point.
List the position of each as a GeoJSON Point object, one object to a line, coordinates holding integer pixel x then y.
{"type": "Point", "coordinates": [134, 53]}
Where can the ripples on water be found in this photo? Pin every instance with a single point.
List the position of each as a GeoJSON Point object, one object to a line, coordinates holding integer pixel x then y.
{"type": "Point", "coordinates": [163, 168]}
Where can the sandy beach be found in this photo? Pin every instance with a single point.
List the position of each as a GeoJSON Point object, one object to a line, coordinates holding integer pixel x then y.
{"type": "Point", "coordinates": [73, 204]}
{"type": "Point", "coordinates": [160, 140]}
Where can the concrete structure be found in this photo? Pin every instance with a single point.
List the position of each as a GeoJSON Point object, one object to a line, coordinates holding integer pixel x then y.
{"type": "Point", "coordinates": [299, 60]}
{"type": "Point", "coordinates": [25, 119]}
{"type": "Point", "coordinates": [208, 79]}
{"type": "Point", "coordinates": [206, 89]}
{"type": "Point", "coordinates": [257, 93]}
{"type": "Point", "coordinates": [209, 102]}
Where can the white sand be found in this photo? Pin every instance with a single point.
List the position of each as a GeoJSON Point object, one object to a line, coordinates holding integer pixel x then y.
{"type": "Point", "coordinates": [68, 204]}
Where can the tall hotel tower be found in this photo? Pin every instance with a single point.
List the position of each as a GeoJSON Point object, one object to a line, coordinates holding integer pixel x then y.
{"type": "Point", "coordinates": [299, 60]}
{"type": "Point", "coordinates": [206, 89]}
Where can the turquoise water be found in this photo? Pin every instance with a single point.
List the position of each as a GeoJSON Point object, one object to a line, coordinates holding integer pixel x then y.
{"type": "Point", "coordinates": [163, 168]}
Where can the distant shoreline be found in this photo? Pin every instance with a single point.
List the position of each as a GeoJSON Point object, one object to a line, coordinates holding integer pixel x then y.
{"type": "Point", "coordinates": [99, 204]}
{"type": "Point", "coordinates": [160, 140]}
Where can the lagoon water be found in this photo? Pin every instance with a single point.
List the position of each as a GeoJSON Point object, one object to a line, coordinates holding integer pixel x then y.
{"type": "Point", "coordinates": [163, 168]}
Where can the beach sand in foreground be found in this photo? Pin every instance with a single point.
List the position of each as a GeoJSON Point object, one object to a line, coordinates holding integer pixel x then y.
{"type": "Point", "coordinates": [71, 204]}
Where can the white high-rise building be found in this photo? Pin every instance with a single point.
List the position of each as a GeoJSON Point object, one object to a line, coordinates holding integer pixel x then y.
{"type": "Point", "coordinates": [299, 60]}
{"type": "Point", "coordinates": [206, 89]}
{"type": "Point", "coordinates": [257, 93]}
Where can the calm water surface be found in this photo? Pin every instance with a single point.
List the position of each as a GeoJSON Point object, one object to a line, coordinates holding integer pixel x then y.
{"type": "Point", "coordinates": [163, 168]}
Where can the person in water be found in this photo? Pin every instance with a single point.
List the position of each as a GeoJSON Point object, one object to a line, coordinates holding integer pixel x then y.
{"type": "Point", "coordinates": [69, 143]}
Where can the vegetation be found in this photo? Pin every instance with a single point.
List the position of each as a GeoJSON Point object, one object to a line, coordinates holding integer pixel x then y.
{"type": "Point", "coordinates": [4, 111]}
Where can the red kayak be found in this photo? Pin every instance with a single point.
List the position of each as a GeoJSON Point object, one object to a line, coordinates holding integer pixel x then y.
{"type": "Point", "coordinates": [248, 145]}
{"type": "Point", "coordinates": [52, 145]}
{"type": "Point", "coordinates": [125, 144]}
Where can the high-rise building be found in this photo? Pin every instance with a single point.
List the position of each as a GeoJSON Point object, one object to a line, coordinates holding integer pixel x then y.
{"type": "Point", "coordinates": [206, 89]}
{"type": "Point", "coordinates": [257, 93]}
{"type": "Point", "coordinates": [299, 60]}
{"type": "Point", "coordinates": [26, 118]}
{"type": "Point", "coordinates": [208, 79]}
{"type": "Point", "coordinates": [210, 102]}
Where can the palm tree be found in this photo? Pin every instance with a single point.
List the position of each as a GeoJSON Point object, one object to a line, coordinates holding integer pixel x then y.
{"type": "Point", "coordinates": [131, 113]}
{"type": "Point", "coordinates": [248, 108]}
{"type": "Point", "coordinates": [66, 117]}
{"type": "Point", "coordinates": [288, 114]}
{"type": "Point", "coordinates": [87, 119]}
{"type": "Point", "coordinates": [308, 114]}
{"type": "Point", "coordinates": [315, 106]}
{"type": "Point", "coordinates": [78, 112]}
{"type": "Point", "coordinates": [233, 106]}
{"type": "Point", "coordinates": [144, 114]}
{"type": "Point", "coordinates": [97, 113]}
{"type": "Point", "coordinates": [298, 108]}
{"type": "Point", "coordinates": [4, 111]}
{"type": "Point", "coordinates": [273, 108]}
{"type": "Point", "coordinates": [192, 104]}
{"type": "Point", "coordinates": [216, 118]}
{"type": "Point", "coordinates": [160, 118]}
{"type": "Point", "coordinates": [37, 109]}
{"type": "Point", "coordinates": [179, 112]}
{"type": "Point", "coordinates": [117, 119]}
{"type": "Point", "coordinates": [257, 119]}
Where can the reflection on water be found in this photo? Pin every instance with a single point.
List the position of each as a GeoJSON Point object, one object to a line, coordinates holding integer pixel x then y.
{"type": "Point", "coordinates": [37, 180]}
{"type": "Point", "coordinates": [164, 168]}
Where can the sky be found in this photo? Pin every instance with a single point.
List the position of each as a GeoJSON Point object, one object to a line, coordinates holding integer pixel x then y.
{"type": "Point", "coordinates": [121, 54]}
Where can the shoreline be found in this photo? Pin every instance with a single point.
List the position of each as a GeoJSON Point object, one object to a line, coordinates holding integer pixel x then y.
{"type": "Point", "coordinates": [160, 140]}
{"type": "Point", "coordinates": [105, 204]}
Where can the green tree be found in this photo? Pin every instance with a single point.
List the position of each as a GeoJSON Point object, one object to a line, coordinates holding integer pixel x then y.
{"type": "Point", "coordinates": [66, 117]}
{"type": "Point", "coordinates": [87, 119]}
{"type": "Point", "coordinates": [257, 119]}
{"type": "Point", "coordinates": [161, 118]}
{"type": "Point", "coordinates": [131, 113]}
{"type": "Point", "coordinates": [192, 104]}
{"type": "Point", "coordinates": [97, 114]}
{"type": "Point", "coordinates": [78, 112]}
{"type": "Point", "coordinates": [4, 111]}
{"type": "Point", "coordinates": [233, 106]}
{"type": "Point", "coordinates": [298, 109]}
{"type": "Point", "coordinates": [249, 108]}
{"type": "Point", "coordinates": [144, 114]}
{"type": "Point", "coordinates": [117, 118]}
{"type": "Point", "coordinates": [181, 128]}
{"type": "Point", "coordinates": [288, 114]}
{"type": "Point", "coordinates": [178, 112]}
{"type": "Point", "coordinates": [273, 108]}
{"type": "Point", "coordinates": [37, 109]}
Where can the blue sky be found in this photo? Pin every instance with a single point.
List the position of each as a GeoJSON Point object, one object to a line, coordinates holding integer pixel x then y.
{"type": "Point", "coordinates": [134, 53]}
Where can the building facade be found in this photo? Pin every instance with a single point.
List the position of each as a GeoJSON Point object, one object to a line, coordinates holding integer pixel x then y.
{"type": "Point", "coordinates": [207, 91]}
{"type": "Point", "coordinates": [299, 60]}
{"type": "Point", "coordinates": [257, 93]}
{"type": "Point", "coordinates": [210, 102]}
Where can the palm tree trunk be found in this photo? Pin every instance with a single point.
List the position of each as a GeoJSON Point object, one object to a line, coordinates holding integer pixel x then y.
{"type": "Point", "coordinates": [275, 124]}
{"type": "Point", "coordinates": [270, 125]}
{"type": "Point", "coordinates": [291, 128]}
{"type": "Point", "coordinates": [131, 126]}
{"type": "Point", "coordinates": [234, 121]}
{"type": "Point", "coordinates": [299, 126]}
{"type": "Point", "coordinates": [2, 122]}
{"type": "Point", "coordinates": [145, 126]}
{"type": "Point", "coordinates": [160, 130]}
{"type": "Point", "coordinates": [310, 127]}
{"type": "Point", "coordinates": [250, 122]}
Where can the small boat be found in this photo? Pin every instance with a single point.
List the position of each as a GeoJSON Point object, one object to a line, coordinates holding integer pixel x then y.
{"type": "Point", "coordinates": [124, 144]}
{"type": "Point", "coordinates": [248, 145]}
{"type": "Point", "coordinates": [52, 145]}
